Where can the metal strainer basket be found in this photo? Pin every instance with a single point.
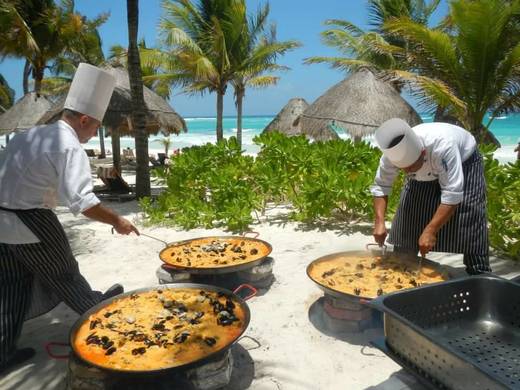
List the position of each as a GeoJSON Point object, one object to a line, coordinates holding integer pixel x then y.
{"type": "Point", "coordinates": [459, 334]}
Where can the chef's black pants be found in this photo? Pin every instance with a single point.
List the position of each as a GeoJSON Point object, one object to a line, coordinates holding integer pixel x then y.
{"type": "Point", "coordinates": [57, 271]}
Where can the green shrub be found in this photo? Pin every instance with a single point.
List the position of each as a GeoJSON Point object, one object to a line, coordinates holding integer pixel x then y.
{"type": "Point", "coordinates": [503, 204]}
{"type": "Point", "coordinates": [206, 186]}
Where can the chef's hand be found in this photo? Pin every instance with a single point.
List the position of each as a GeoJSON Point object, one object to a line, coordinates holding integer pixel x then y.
{"type": "Point", "coordinates": [124, 226]}
{"type": "Point", "coordinates": [380, 233]}
{"type": "Point", "coordinates": [427, 241]}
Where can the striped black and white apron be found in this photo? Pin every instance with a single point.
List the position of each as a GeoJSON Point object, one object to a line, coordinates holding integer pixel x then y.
{"type": "Point", "coordinates": [34, 278]}
{"type": "Point", "coordinates": [466, 232]}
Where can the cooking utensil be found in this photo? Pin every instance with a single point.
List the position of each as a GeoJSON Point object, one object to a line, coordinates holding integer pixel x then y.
{"type": "Point", "coordinates": [222, 269]}
{"type": "Point", "coordinates": [462, 334]}
{"type": "Point", "coordinates": [381, 248]}
{"type": "Point", "coordinates": [241, 302]}
{"type": "Point", "coordinates": [419, 273]}
{"type": "Point", "coordinates": [407, 259]}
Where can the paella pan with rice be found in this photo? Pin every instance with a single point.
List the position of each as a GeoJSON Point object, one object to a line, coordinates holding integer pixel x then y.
{"type": "Point", "coordinates": [160, 328]}
{"type": "Point", "coordinates": [362, 274]}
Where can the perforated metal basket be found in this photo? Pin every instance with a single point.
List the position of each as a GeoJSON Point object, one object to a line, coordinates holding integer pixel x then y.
{"type": "Point", "coordinates": [460, 334]}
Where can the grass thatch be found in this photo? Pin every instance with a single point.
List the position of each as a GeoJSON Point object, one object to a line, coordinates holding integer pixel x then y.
{"type": "Point", "coordinates": [159, 116]}
{"type": "Point", "coordinates": [24, 114]}
{"type": "Point", "coordinates": [287, 120]}
{"type": "Point", "coordinates": [359, 104]}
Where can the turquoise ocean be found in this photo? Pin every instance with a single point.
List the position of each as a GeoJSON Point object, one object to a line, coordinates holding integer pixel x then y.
{"type": "Point", "coordinates": [201, 130]}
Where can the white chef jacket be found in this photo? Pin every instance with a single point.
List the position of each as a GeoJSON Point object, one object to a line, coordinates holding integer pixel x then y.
{"type": "Point", "coordinates": [38, 169]}
{"type": "Point", "coordinates": [447, 146]}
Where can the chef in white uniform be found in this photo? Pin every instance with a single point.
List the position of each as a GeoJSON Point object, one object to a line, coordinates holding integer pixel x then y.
{"type": "Point", "coordinates": [443, 202]}
{"type": "Point", "coordinates": [40, 168]}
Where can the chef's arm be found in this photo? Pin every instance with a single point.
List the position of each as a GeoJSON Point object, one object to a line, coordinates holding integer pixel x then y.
{"type": "Point", "coordinates": [380, 204]}
{"type": "Point", "coordinates": [103, 214]}
{"type": "Point", "coordinates": [441, 217]}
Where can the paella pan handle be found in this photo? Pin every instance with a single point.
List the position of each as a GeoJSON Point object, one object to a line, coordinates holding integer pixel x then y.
{"type": "Point", "coordinates": [254, 234]}
{"type": "Point", "coordinates": [382, 248]}
{"type": "Point", "coordinates": [243, 286]}
{"type": "Point", "coordinates": [50, 345]}
{"type": "Point", "coordinates": [147, 235]}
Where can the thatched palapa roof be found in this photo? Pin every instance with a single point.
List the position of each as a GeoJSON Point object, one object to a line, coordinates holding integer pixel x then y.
{"type": "Point", "coordinates": [287, 119]}
{"type": "Point", "coordinates": [159, 115]}
{"type": "Point", "coordinates": [24, 114]}
{"type": "Point", "coordinates": [359, 105]}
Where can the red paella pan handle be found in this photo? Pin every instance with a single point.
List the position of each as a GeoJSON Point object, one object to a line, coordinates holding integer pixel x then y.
{"type": "Point", "coordinates": [243, 286]}
{"type": "Point", "coordinates": [50, 345]}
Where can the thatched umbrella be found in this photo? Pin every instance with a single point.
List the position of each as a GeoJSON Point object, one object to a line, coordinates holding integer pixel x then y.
{"type": "Point", "coordinates": [159, 115]}
{"type": "Point", "coordinates": [358, 105]}
{"type": "Point", "coordinates": [286, 121]}
{"type": "Point", "coordinates": [24, 114]}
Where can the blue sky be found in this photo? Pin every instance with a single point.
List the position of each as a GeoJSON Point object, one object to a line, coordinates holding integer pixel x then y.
{"type": "Point", "coordinates": [301, 20]}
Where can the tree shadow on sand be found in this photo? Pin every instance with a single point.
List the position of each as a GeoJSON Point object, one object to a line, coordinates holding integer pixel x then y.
{"type": "Point", "coordinates": [339, 226]}
{"type": "Point", "coordinates": [42, 372]}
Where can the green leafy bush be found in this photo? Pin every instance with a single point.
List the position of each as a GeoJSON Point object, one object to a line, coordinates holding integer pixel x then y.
{"type": "Point", "coordinates": [207, 186]}
{"type": "Point", "coordinates": [215, 185]}
{"type": "Point", "coordinates": [503, 203]}
{"type": "Point", "coordinates": [319, 179]}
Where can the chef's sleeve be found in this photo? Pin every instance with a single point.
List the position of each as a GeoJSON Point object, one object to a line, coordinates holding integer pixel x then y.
{"type": "Point", "coordinates": [75, 189]}
{"type": "Point", "coordinates": [385, 177]}
{"type": "Point", "coordinates": [451, 176]}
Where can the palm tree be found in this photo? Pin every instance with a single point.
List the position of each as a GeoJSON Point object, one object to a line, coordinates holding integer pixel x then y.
{"type": "Point", "coordinates": [138, 106]}
{"type": "Point", "coordinates": [200, 37]}
{"type": "Point", "coordinates": [149, 68]}
{"type": "Point", "coordinates": [255, 55]}
{"type": "Point", "coordinates": [6, 95]}
{"type": "Point", "coordinates": [18, 19]}
{"type": "Point", "coordinates": [374, 49]}
{"type": "Point", "coordinates": [470, 68]}
{"type": "Point", "coordinates": [40, 32]}
{"type": "Point", "coordinates": [166, 142]}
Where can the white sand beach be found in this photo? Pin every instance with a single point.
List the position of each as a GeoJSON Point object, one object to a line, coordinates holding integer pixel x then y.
{"type": "Point", "coordinates": [294, 352]}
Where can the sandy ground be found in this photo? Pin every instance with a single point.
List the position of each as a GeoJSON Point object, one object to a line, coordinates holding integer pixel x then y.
{"type": "Point", "coordinates": [294, 353]}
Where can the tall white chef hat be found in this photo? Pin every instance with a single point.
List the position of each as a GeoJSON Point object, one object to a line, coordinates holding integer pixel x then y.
{"type": "Point", "coordinates": [406, 146]}
{"type": "Point", "coordinates": [90, 91]}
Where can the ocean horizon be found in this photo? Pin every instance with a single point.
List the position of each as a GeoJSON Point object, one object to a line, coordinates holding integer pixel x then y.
{"type": "Point", "coordinates": [201, 130]}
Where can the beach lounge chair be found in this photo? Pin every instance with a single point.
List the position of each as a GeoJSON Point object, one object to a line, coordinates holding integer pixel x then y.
{"type": "Point", "coordinates": [161, 157]}
{"type": "Point", "coordinates": [128, 155]}
{"type": "Point", "coordinates": [154, 161]}
{"type": "Point", "coordinates": [90, 152]}
{"type": "Point", "coordinates": [115, 187]}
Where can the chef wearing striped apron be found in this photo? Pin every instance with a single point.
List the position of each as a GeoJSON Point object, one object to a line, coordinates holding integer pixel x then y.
{"type": "Point", "coordinates": [443, 203]}
{"type": "Point", "coordinates": [40, 167]}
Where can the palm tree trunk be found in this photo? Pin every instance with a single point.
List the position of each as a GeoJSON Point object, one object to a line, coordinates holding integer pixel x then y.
{"type": "Point", "coordinates": [101, 135]}
{"type": "Point", "coordinates": [240, 100]}
{"type": "Point", "coordinates": [116, 149]}
{"type": "Point", "coordinates": [220, 110]}
{"type": "Point", "coordinates": [38, 77]}
{"type": "Point", "coordinates": [26, 73]}
{"type": "Point", "coordinates": [138, 114]}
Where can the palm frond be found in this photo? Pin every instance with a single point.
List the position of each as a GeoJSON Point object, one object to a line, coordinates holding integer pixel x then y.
{"type": "Point", "coordinates": [263, 81]}
{"type": "Point", "coordinates": [432, 92]}
{"type": "Point", "coordinates": [345, 25]}
{"type": "Point", "coordinates": [341, 63]}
